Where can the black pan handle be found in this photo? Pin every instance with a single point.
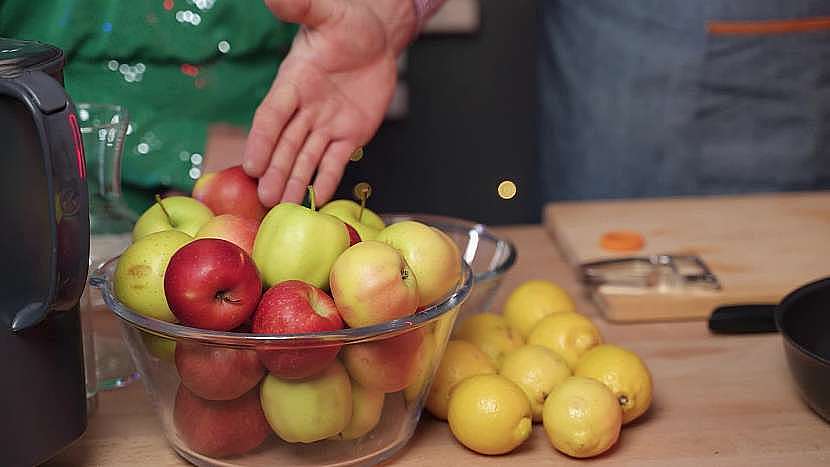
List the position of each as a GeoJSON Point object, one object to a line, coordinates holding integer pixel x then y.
{"type": "Point", "coordinates": [743, 319]}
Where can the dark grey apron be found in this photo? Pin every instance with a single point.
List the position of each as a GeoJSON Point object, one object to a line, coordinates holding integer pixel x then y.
{"type": "Point", "coordinates": [680, 97]}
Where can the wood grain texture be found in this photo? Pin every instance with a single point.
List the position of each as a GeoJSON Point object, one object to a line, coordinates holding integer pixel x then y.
{"type": "Point", "coordinates": [761, 247]}
{"type": "Point", "coordinates": [722, 401]}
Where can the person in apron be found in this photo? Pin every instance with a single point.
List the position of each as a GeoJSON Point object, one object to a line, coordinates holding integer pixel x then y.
{"type": "Point", "coordinates": [673, 97]}
{"type": "Point", "coordinates": [637, 98]}
{"type": "Point", "coordinates": [187, 72]}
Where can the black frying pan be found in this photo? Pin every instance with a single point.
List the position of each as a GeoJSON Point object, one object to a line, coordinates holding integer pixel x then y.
{"type": "Point", "coordinates": [803, 318]}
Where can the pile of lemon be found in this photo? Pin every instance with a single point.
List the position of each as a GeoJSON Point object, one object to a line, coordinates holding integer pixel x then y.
{"type": "Point", "coordinates": [539, 361]}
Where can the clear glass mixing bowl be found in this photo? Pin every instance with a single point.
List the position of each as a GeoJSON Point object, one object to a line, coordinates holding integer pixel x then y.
{"type": "Point", "coordinates": [404, 353]}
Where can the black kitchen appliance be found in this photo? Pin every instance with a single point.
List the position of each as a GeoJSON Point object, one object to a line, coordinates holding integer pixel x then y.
{"type": "Point", "coordinates": [44, 238]}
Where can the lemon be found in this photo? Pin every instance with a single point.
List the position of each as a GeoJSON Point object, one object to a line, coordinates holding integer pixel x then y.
{"type": "Point", "coordinates": [490, 333]}
{"type": "Point", "coordinates": [532, 301]}
{"type": "Point", "coordinates": [461, 360]}
{"type": "Point", "coordinates": [582, 417]}
{"type": "Point", "coordinates": [489, 414]}
{"type": "Point", "coordinates": [537, 370]}
{"type": "Point", "coordinates": [623, 372]}
{"type": "Point", "coordinates": [568, 334]}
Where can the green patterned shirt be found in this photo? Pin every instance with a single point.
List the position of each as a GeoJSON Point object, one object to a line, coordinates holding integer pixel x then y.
{"type": "Point", "coordinates": [176, 65]}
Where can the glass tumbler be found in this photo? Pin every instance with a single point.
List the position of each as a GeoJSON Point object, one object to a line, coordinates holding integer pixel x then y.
{"type": "Point", "coordinates": [103, 128]}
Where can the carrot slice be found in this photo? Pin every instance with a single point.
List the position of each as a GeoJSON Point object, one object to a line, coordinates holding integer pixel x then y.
{"type": "Point", "coordinates": [622, 240]}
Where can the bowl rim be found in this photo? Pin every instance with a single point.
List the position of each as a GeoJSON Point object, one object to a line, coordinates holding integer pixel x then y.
{"type": "Point", "coordinates": [449, 223]}
{"type": "Point", "coordinates": [101, 278]}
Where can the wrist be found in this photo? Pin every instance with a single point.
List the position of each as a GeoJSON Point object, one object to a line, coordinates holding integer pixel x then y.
{"type": "Point", "coordinates": [424, 9]}
{"type": "Point", "coordinates": [400, 20]}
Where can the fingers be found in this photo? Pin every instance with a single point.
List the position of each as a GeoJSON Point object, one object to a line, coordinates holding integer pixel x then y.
{"type": "Point", "coordinates": [304, 167]}
{"type": "Point", "coordinates": [272, 183]}
{"type": "Point", "coordinates": [271, 117]}
{"type": "Point", "coordinates": [331, 170]}
{"type": "Point", "coordinates": [311, 13]}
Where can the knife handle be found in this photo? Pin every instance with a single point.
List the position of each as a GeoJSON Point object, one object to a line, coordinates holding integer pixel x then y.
{"type": "Point", "coordinates": [743, 319]}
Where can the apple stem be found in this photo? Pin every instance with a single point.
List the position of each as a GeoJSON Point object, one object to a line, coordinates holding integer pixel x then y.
{"type": "Point", "coordinates": [311, 200]}
{"type": "Point", "coordinates": [362, 190]}
{"type": "Point", "coordinates": [164, 210]}
{"type": "Point", "coordinates": [227, 298]}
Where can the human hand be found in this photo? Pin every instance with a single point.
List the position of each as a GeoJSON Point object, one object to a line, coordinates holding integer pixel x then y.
{"type": "Point", "coordinates": [223, 148]}
{"type": "Point", "coordinates": [330, 93]}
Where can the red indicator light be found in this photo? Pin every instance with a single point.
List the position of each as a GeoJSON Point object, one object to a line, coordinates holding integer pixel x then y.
{"type": "Point", "coordinates": [79, 148]}
{"type": "Point", "coordinates": [189, 70]}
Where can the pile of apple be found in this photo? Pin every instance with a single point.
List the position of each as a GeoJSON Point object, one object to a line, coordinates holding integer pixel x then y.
{"type": "Point", "coordinates": [220, 261]}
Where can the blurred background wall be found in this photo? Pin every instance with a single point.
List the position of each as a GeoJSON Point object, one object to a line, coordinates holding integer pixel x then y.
{"type": "Point", "coordinates": [463, 121]}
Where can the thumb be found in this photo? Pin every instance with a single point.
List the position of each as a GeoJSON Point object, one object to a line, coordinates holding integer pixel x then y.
{"type": "Point", "coordinates": [310, 13]}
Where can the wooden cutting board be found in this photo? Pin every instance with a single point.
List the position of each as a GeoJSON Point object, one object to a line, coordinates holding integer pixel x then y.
{"type": "Point", "coordinates": [760, 247]}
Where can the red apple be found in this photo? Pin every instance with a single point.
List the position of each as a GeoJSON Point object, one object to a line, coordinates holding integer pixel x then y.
{"type": "Point", "coordinates": [240, 231]}
{"type": "Point", "coordinates": [386, 365]}
{"type": "Point", "coordinates": [296, 307]}
{"type": "Point", "coordinates": [244, 327]}
{"type": "Point", "coordinates": [220, 428]}
{"type": "Point", "coordinates": [230, 191]}
{"type": "Point", "coordinates": [217, 373]}
{"type": "Point", "coordinates": [354, 237]}
{"type": "Point", "coordinates": [212, 284]}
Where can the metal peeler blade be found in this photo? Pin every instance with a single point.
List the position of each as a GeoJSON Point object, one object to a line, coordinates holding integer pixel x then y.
{"type": "Point", "coordinates": [664, 272]}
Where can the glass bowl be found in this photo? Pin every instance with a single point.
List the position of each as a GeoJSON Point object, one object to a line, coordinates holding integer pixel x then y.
{"type": "Point", "coordinates": [397, 359]}
{"type": "Point", "coordinates": [490, 256]}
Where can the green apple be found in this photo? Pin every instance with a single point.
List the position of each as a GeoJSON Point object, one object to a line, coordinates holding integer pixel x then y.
{"type": "Point", "coordinates": [371, 283]}
{"type": "Point", "coordinates": [432, 255]}
{"type": "Point", "coordinates": [367, 407]}
{"type": "Point", "coordinates": [139, 275]}
{"type": "Point", "coordinates": [160, 347]}
{"type": "Point", "coordinates": [295, 242]}
{"type": "Point", "coordinates": [180, 213]}
{"type": "Point", "coordinates": [308, 410]}
{"type": "Point", "coordinates": [367, 225]}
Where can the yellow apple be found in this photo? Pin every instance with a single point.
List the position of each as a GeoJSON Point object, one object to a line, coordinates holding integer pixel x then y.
{"type": "Point", "coordinates": [308, 410]}
{"type": "Point", "coordinates": [432, 255]}
{"type": "Point", "coordinates": [424, 357]}
{"type": "Point", "coordinates": [367, 225]}
{"type": "Point", "coordinates": [180, 213]}
{"type": "Point", "coordinates": [367, 407]}
{"type": "Point", "coordinates": [139, 275]}
{"type": "Point", "coordinates": [371, 283]}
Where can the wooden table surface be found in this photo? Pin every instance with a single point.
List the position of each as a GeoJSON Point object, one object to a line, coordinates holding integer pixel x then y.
{"type": "Point", "coordinates": [718, 401]}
